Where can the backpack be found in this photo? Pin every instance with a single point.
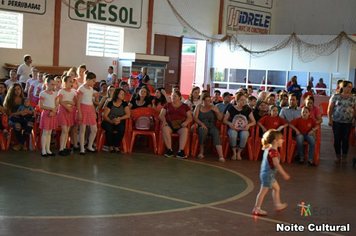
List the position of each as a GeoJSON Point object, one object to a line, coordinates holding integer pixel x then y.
{"type": "Point", "coordinates": [144, 123]}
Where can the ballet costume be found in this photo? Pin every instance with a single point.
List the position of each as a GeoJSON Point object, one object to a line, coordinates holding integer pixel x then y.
{"type": "Point", "coordinates": [87, 106]}
{"type": "Point", "coordinates": [65, 118]}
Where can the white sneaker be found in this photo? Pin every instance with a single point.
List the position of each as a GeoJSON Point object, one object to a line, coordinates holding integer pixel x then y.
{"type": "Point", "coordinates": [200, 156]}
{"type": "Point", "coordinates": [259, 212]}
{"type": "Point", "coordinates": [221, 159]}
{"type": "Point", "coordinates": [280, 207]}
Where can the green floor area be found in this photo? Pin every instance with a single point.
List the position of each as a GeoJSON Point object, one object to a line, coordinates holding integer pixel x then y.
{"type": "Point", "coordinates": [108, 184]}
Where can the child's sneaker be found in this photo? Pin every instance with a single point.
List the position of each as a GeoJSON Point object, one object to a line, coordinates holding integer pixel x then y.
{"type": "Point", "coordinates": [221, 159]}
{"type": "Point", "coordinates": [258, 211]}
{"type": "Point", "coordinates": [181, 154]}
{"type": "Point", "coordinates": [169, 153]}
{"type": "Point", "coordinates": [280, 207]}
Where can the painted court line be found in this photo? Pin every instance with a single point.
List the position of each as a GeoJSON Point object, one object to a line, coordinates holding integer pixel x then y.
{"type": "Point", "coordinates": [195, 205]}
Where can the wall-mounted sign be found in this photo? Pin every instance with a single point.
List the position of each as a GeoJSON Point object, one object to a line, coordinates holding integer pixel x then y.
{"type": "Point", "coordinates": [259, 3]}
{"type": "Point", "coordinates": [31, 6]}
{"type": "Point", "coordinates": [247, 20]}
{"type": "Point", "coordinates": [123, 13]}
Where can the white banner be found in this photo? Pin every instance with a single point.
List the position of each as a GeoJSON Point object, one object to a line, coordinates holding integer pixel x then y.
{"type": "Point", "coordinates": [31, 6]}
{"type": "Point", "coordinates": [246, 20]}
{"type": "Point", "coordinates": [123, 13]}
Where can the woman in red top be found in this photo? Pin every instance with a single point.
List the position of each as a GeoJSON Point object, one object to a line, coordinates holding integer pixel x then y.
{"type": "Point", "coordinates": [272, 121]}
{"type": "Point", "coordinates": [304, 128]}
{"type": "Point", "coordinates": [170, 114]}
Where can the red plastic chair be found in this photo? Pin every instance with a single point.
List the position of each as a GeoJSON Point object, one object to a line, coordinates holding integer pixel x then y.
{"type": "Point", "coordinates": [195, 138]}
{"type": "Point", "coordinates": [153, 132]}
{"type": "Point", "coordinates": [162, 146]}
{"type": "Point", "coordinates": [5, 143]}
{"type": "Point", "coordinates": [101, 139]}
{"type": "Point", "coordinates": [292, 144]}
{"type": "Point", "coordinates": [249, 145]}
{"type": "Point", "coordinates": [258, 145]}
{"type": "Point", "coordinates": [323, 107]}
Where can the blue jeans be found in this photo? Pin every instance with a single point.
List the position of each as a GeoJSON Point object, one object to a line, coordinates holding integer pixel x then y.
{"type": "Point", "coordinates": [341, 135]}
{"type": "Point", "coordinates": [311, 140]}
{"type": "Point", "coordinates": [243, 135]}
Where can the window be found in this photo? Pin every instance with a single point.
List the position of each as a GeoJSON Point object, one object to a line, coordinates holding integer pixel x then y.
{"type": "Point", "coordinates": [11, 30]}
{"type": "Point", "coordinates": [104, 41]}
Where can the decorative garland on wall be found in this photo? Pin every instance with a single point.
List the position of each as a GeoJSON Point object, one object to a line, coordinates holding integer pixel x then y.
{"type": "Point", "coordinates": [307, 51]}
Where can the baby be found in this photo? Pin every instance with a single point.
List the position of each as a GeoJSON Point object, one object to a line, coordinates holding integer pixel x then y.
{"type": "Point", "coordinates": [29, 117]}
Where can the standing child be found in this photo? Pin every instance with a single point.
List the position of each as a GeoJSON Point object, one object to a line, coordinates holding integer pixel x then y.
{"type": "Point", "coordinates": [304, 128]}
{"type": "Point", "coordinates": [34, 73]}
{"type": "Point", "coordinates": [12, 80]}
{"type": "Point", "coordinates": [49, 104]}
{"type": "Point", "coordinates": [271, 141]}
{"type": "Point", "coordinates": [33, 88]}
{"type": "Point", "coordinates": [67, 100]}
{"type": "Point", "coordinates": [86, 112]}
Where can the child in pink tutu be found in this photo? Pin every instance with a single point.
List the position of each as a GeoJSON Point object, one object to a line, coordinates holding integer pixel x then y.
{"type": "Point", "coordinates": [86, 112]}
{"type": "Point", "coordinates": [33, 88]}
{"type": "Point", "coordinates": [49, 103]}
{"type": "Point", "coordinates": [67, 99]}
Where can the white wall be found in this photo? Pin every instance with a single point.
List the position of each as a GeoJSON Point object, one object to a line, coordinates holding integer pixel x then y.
{"type": "Point", "coordinates": [315, 17]}
{"type": "Point", "coordinates": [200, 14]}
{"type": "Point", "coordinates": [37, 40]}
{"type": "Point", "coordinates": [73, 44]}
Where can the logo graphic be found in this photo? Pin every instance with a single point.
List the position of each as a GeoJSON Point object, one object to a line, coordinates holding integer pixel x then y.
{"type": "Point", "coordinates": [305, 209]}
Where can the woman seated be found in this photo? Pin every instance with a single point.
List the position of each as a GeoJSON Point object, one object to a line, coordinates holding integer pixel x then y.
{"type": "Point", "coordinates": [314, 111]}
{"type": "Point", "coordinates": [204, 116]}
{"type": "Point", "coordinates": [114, 119]}
{"type": "Point", "coordinates": [175, 118]}
{"type": "Point", "coordinates": [236, 119]}
{"type": "Point", "coordinates": [106, 99]}
{"type": "Point", "coordinates": [160, 99]}
{"type": "Point", "coordinates": [103, 92]}
{"type": "Point", "coordinates": [13, 100]}
{"type": "Point", "coordinates": [194, 98]}
{"type": "Point", "coordinates": [261, 110]}
{"type": "Point", "coordinates": [142, 99]}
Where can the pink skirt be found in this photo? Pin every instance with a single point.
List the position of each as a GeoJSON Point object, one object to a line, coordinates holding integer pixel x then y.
{"type": "Point", "coordinates": [46, 122]}
{"type": "Point", "coordinates": [65, 118]}
{"type": "Point", "coordinates": [34, 100]}
{"type": "Point", "coordinates": [88, 115]}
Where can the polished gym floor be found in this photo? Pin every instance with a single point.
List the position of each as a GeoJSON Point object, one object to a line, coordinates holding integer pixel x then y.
{"type": "Point", "coordinates": [145, 194]}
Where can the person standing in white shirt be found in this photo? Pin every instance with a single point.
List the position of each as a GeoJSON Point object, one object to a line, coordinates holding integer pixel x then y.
{"type": "Point", "coordinates": [24, 71]}
{"type": "Point", "coordinates": [12, 80]}
{"type": "Point", "coordinates": [111, 79]}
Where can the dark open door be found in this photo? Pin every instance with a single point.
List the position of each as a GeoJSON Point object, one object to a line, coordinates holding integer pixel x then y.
{"type": "Point", "coordinates": [170, 46]}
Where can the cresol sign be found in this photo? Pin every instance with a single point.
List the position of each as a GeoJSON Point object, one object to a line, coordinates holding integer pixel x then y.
{"type": "Point", "coordinates": [123, 13]}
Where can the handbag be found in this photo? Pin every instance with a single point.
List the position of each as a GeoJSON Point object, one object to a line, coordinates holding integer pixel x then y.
{"type": "Point", "coordinates": [176, 124]}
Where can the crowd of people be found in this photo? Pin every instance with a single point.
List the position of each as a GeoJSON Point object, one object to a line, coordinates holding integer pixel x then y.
{"type": "Point", "coordinates": [72, 102]}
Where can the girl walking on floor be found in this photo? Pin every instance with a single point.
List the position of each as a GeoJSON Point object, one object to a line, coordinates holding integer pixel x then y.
{"type": "Point", "coordinates": [271, 141]}
{"type": "Point", "coordinates": [86, 112]}
{"type": "Point", "coordinates": [67, 101]}
{"type": "Point", "coordinates": [49, 103]}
